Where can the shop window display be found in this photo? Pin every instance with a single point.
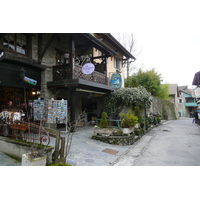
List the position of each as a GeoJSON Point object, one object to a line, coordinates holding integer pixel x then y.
{"type": "Point", "coordinates": [17, 100]}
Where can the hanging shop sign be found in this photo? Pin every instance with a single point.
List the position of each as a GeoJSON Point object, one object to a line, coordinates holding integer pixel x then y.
{"type": "Point", "coordinates": [2, 53]}
{"type": "Point", "coordinates": [88, 68]}
{"type": "Point", "coordinates": [57, 111]}
{"type": "Point", "coordinates": [27, 79]}
{"type": "Point", "coordinates": [116, 80]}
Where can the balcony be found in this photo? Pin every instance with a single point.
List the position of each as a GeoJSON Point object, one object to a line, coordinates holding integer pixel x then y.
{"type": "Point", "coordinates": [191, 104]}
{"type": "Point", "coordinates": [62, 72]}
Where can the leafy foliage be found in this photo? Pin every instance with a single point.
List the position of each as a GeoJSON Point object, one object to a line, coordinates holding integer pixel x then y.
{"type": "Point", "coordinates": [137, 112]}
{"type": "Point", "coordinates": [128, 120]}
{"type": "Point", "coordinates": [127, 97]}
{"type": "Point", "coordinates": [103, 122]}
{"type": "Point", "coordinates": [163, 91]}
{"type": "Point", "coordinates": [150, 80]}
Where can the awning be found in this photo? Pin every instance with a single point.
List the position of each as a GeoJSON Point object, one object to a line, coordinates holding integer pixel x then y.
{"type": "Point", "coordinates": [196, 80]}
{"type": "Point", "coordinates": [82, 84]}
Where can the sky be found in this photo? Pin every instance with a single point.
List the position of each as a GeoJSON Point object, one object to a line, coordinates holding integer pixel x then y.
{"type": "Point", "coordinates": [167, 35]}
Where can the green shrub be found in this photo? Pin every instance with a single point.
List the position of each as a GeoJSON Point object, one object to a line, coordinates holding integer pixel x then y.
{"type": "Point", "coordinates": [103, 122]}
{"type": "Point", "coordinates": [128, 120]}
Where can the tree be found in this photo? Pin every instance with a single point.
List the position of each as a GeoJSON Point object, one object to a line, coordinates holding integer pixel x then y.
{"type": "Point", "coordinates": [130, 43]}
{"type": "Point", "coordinates": [163, 91]}
{"type": "Point", "coordinates": [150, 80]}
{"type": "Point", "coordinates": [126, 97]}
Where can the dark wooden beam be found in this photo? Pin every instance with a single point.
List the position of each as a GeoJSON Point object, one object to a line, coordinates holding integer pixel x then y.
{"type": "Point", "coordinates": [47, 45]}
{"type": "Point", "coordinates": [29, 45]}
{"type": "Point", "coordinates": [72, 101]}
{"type": "Point", "coordinates": [39, 46]}
{"type": "Point", "coordinates": [21, 59]}
{"type": "Point", "coordinates": [71, 56]}
{"type": "Point", "coordinates": [97, 57]}
{"type": "Point", "coordinates": [40, 51]}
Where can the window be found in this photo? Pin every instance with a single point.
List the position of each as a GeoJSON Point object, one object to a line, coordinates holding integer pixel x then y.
{"type": "Point", "coordinates": [180, 101]}
{"type": "Point", "coordinates": [189, 100]}
{"type": "Point", "coordinates": [118, 64]}
{"type": "Point", "coordinates": [16, 42]}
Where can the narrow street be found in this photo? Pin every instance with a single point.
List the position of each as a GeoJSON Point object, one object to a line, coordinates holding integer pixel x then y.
{"type": "Point", "coordinates": [174, 143]}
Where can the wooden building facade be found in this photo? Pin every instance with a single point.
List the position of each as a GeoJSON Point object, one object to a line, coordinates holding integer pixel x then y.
{"type": "Point", "coordinates": [49, 65]}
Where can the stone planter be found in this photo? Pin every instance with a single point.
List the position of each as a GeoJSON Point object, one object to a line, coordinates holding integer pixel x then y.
{"type": "Point", "coordinates": [127, 131]}
{"type": "Point", "coordinates": [27, 161]}
{"type": "Point", "coordinates": [103, 131]}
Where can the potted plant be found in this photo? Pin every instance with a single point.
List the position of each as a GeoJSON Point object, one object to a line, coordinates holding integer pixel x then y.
{"type": "Point", "coordinates": [147, 123]}
{"type": "Point", "coordinates": [33, 159]}
{"type": "Point", "coordinates": [37, 157]}
{"type": "Point", "coordinates": [128, 121]}
{"type": "Point", "coordinates": [103, 128]}
{"type": "Point", "coordinates": [103, 122]}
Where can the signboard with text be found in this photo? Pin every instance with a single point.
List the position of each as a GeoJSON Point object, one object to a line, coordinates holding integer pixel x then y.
{"type": "Point", "coordinates": [88, 68]}
{"type": "Point", "coordinates": [116, 80]}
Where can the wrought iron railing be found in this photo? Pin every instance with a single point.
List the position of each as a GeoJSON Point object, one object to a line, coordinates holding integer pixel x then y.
{"type": "Point", "coordinates": [25, 131]}
{"type": "Point", "coordinates": [62, 72]}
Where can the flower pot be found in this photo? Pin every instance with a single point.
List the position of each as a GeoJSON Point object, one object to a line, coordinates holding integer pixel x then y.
{"type": "Point", "coordinates": [137, 125]}
{"type": "Point", "coordinates": [27, 161]}
{"type": "Point", "coordinates": [127, 131]}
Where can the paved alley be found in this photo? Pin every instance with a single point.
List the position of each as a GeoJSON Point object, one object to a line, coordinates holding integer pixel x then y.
{"type": "Point", "coordinates": [174, 143]}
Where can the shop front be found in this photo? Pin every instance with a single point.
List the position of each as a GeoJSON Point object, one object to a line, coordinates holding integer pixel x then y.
{"type": "Point", "coordinates": [19, 86]}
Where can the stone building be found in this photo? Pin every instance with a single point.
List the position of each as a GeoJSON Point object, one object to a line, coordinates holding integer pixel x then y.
{"type": "Point", "coordinates": [173, 97]}
{"type": "Point", "coordinates": [53, 65]}
{"type": "Point", "coordinates": [186, 101]}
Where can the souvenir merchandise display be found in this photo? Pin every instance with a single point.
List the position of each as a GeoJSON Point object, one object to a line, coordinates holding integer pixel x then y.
{"type": "Point", "coordinates": [57, 111]}
{"type": "Point", "coordinates": [38, 109]}
{"type": "Point", "coordinates": [10, 116]}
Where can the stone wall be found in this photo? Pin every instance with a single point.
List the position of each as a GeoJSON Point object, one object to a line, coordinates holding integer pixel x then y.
{"type": "Point", "coordinates": [117, 140]}
{"type": "Point", "coordinates": [18, 148]}
{"type": "Point", "coordinates": [166, 108]}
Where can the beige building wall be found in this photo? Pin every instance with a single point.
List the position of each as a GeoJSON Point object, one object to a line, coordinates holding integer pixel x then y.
{"type": "Point", "coordinates": [111, 60]}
